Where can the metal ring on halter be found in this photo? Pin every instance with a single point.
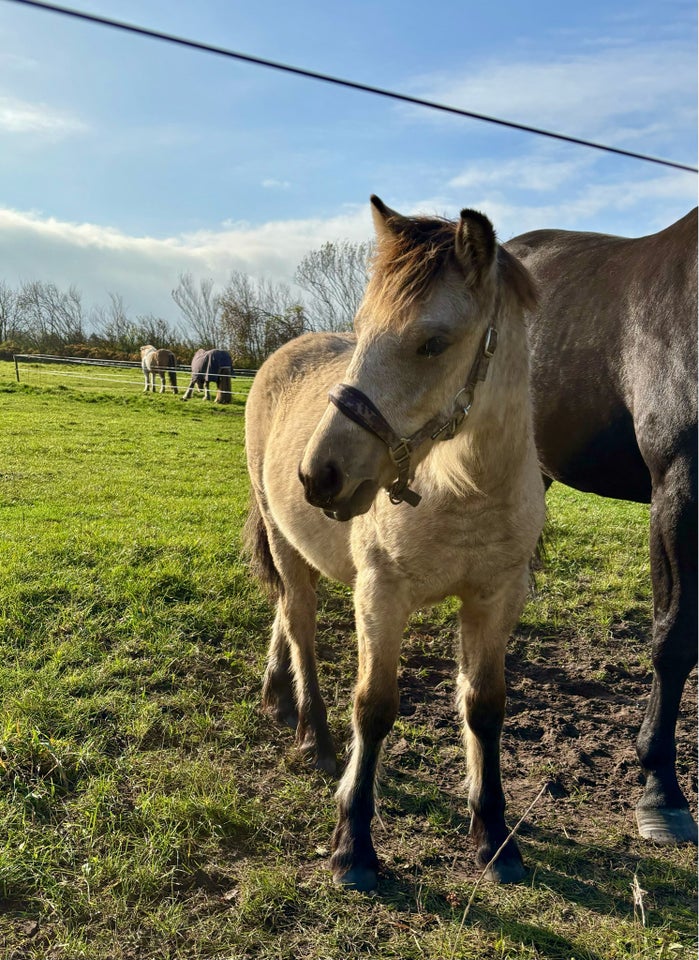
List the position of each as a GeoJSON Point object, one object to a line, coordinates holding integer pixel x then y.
{"type": "Point", "coordinates": [465, 407]}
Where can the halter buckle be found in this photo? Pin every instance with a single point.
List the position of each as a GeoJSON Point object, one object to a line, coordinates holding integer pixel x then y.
{"type": "Point", "coordinates": [400, 454]}
{"type": "Point", "coordinates": [491, 342]}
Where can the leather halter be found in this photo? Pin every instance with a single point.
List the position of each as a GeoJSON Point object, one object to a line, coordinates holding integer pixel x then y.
{"type": "Point", "coordinates": [358, 407]}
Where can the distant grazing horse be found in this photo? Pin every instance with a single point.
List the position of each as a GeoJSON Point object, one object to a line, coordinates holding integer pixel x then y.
{"type": "Point", "coordinates": [158, 362]}
{"type": "Point", "coordinates": [211, 366]}
{"type": "Point", "coordinates": [614, 384]}
{"type": "Point", "coordinates": [418, 396]}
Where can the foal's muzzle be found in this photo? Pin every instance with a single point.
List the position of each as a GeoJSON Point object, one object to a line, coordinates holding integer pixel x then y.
{"type": "Point", "coordinates": [323, 486]}
{"type": "Point", "coordinates": [322, 489]}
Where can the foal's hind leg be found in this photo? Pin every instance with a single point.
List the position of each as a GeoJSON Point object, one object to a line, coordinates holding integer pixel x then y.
{"type": "Point", "coordinates": [662, 813]}
{"type": "Point", "coordinates": [293, 638]}
{"type": "Point", "coordinates": [485, 629]}
{"type": "Point", "coordinates": [278, 687]}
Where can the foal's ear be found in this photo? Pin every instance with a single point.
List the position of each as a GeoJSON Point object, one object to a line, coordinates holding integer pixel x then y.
{"type": "Point", "coordinates": [386, 221]}
{"type": "Point", "coordinates": [475, 245]}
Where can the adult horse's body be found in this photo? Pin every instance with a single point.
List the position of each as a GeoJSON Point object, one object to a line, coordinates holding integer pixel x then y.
{"type": "Point", "coordinates": [211, 366]}
{"type": "Point", "coordinates": [158, 362]}
{"type": "Point", "coordinates": [441, 295]}
{"type": "Point", "coordinates": [614, 386]}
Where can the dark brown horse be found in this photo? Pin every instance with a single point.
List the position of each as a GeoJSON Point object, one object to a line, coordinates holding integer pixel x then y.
{"type": "Point", "coordinates": [614, 383]}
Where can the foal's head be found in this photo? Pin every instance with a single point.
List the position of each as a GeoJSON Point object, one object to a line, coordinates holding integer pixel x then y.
{"type": "Point", "coordinates": [421, 325]}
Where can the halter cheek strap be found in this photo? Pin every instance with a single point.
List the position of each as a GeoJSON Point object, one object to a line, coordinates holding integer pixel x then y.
{"type": "Point", "coordinates": [359, 408]}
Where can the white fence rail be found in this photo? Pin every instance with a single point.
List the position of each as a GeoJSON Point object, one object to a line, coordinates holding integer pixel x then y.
{"type": "Point", "coordinates": [103, 364]}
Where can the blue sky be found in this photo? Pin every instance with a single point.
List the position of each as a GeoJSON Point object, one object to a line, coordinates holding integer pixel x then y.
{"type": "Point", "coordinates": [125, 161]}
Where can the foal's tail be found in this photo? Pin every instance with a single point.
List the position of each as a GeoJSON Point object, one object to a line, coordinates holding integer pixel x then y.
{"type": "Point", "coordinates": [256, 546]}
{"type": "Point", "coordinates": [173, 380]}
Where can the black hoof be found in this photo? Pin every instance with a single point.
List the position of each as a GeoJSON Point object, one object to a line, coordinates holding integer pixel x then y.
{"type": "Point", "coordinates": [667, 825]}
{"type": "Point", "coordinates": [363, 879]}
{"type": "Point", "coordinates": [512, 871]}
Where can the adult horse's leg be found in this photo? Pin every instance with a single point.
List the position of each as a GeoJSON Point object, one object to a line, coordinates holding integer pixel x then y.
{"type": "Point", "coordinates": [295, 626]}
{"type": "Point", "coordinates": [381, 616]}
{"type": "Point", "coordinates": [485, 629]}
{"type": "Point", "coordinates": [662, 813]}
{"type": "Point", "coordinates": [146, 377]}
{"type": "Point", "coordinates": [192, 384]}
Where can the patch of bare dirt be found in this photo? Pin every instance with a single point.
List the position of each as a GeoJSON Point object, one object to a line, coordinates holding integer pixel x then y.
{"type": "Point", "coordinates": [572, 720]}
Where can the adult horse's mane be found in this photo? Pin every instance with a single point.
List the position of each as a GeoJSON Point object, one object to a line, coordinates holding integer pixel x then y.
{"type": "Point", "coordinates": [410, 259]}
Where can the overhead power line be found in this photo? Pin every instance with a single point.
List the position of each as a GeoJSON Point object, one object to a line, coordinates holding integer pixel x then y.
{"type": "Point", "coordinates": [338, 81]}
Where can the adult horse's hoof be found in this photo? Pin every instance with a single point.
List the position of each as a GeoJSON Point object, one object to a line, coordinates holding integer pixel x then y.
{"type": "Point", "coordinates": [362, 879]}
{"type": "Point", "coordinates": [668, 825]}
{"type": "Point", "coordinates": [511, 871]}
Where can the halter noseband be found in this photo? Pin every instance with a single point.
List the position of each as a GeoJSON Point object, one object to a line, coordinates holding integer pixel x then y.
{"type": "Point", "coordinates": [359, 408]}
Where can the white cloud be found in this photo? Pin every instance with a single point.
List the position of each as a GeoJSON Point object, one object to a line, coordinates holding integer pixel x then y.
{"type": "Point", "coordinates": [536, 173]}
{"type": "Point", "coordinates": [99, 259]}
{"type": "Point", "coordinates": [271, 184]}
{"type": "Point", "coordinates": [19, 116]}
{"type": "Point", "coordinates": [591, 95]}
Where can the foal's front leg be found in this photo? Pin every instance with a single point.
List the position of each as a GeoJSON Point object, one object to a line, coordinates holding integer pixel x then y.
{"type": "Point", "coordinates": [481, 700]}
{"type": "Point", "coordinates": [381, 618]}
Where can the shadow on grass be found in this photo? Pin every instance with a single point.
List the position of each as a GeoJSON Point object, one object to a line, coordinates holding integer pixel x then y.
{"type": "Point", "coordinates": [597, 878]}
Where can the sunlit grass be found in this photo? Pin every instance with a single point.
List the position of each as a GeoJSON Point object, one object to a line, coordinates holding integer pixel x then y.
{"type": "Point", "coordinates": [148, 809]}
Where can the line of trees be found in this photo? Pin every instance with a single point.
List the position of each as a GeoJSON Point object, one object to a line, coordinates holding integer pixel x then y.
{"type": "Point", "coordinates": [249, 317]}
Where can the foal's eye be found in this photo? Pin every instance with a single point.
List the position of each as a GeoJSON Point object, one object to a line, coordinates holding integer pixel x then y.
{"type": "Point", "coordinates": [433, 347]}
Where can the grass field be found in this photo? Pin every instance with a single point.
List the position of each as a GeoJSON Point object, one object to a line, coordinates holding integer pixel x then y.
{"type": "Point", "coordinates": [149, 810]}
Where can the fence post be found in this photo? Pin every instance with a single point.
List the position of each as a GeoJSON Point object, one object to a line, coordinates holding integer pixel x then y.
{"type": "Point", "coordinates": [14, 357]}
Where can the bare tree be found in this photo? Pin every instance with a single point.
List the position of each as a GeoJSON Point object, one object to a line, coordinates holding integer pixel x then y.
{"type": "Point", "coordinates": [257, 317]}
{"type": "Point", "coordinates": [114, 327]}
{"type": "Point", "coordinates": [9, 313]}
{"type": "Point", "coordinates": [335, 277]}
{"type": "Point", "coordinates": [155, 330]}
{"type": "Point", "coordinates": [50, 317]}
{"type": "Point", "coordinates": [201, 310]}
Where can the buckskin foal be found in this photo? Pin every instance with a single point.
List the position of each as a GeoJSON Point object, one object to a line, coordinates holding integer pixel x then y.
{"type": "Point", "coordinates": [424, 406]}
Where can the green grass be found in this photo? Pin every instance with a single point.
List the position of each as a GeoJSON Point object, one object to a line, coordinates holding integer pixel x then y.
{"type": "Point", "coordinates": [149, 810]}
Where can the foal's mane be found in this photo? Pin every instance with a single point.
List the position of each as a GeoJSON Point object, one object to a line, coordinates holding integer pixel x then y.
{"type": "Point", "coordinates": [410, 258]}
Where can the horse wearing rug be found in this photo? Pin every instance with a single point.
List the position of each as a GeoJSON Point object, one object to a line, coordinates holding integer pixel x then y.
{"type": "Point", "coordinates": [614, 386]}
{"type": "Point", "coordinates": [211, 366]}
{"type": "Point", "coordinates": [158, 362]}
{"type": "Point", "coordinates": [422, 405]}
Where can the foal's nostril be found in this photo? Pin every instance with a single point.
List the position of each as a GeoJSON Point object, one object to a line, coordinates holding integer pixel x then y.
{"type": "Point", "coordinates": [329, 480]}
{"type": "Point", "coordinates": [321, 487]}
